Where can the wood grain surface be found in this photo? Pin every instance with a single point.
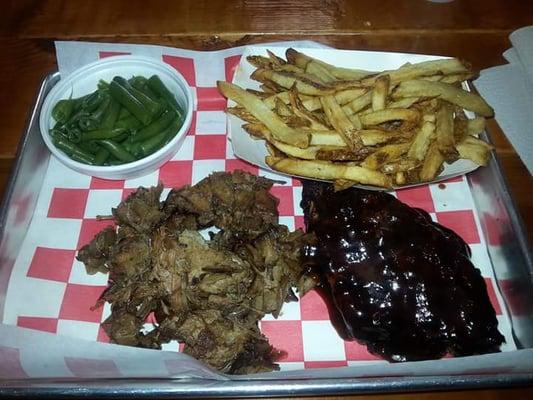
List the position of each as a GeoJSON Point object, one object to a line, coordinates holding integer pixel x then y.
{"type": "Point", "coordinates": [474, 30]}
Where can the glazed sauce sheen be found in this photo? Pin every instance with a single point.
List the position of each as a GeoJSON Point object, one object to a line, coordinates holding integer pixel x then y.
{"type": "Point", "coordinates": [395, 280]}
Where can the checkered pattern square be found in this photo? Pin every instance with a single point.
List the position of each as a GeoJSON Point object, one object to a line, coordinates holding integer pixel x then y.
{"type": "Point", "coordinates": [38, 323]}
{"type": "Point", "coordinates": [285, 336]}
{"type": "Point", "coordinates": [70, 204]}
{"type": "Point", "coordinates": [51, 264]}
{"type": "Point", "coordinates": [184, 66]}
{"type": "Point", "coordinates": [419, 197]}
{"type": "Point", "coordinates": [79, 303]}
{"type": "Point", "coordinates": [462, 222]}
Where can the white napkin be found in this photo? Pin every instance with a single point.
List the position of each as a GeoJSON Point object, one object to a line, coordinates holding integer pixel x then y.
{"type": "Point", "coordinates": [509, 90]}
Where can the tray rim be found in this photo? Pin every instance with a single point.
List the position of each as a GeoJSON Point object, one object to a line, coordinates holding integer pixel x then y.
{"type": "Point", "coordinates": [114, 388]}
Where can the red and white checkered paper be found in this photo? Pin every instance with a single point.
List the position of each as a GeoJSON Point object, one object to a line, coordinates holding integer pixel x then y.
{"type": "Point", "coordinates": [49, 290]}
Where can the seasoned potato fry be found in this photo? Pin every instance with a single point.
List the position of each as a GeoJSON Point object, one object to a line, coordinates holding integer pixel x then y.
{"type": "Point", "coordinates": [475, 149]}
{"type": "Point", "coordinates": [390, 114]}
{"type": "Point", "coordinates": [401, 165]}
{"type": "Point", "coordinates": [282, 109]}
{"type": "Point", "coordinates": [258, 109]}
{"type": "Point", "coordinates": [380, 93]}
{"type": "Point", "coordinates": [411, 71]}
{"type": "Point", "coordinates": [444, 131]}
{"type": "Point", "coordinates": [305, 84]}
{"type": "Point", "coordinates": [328, 171]}
{"type": "Point", "coordinates": [358, 104]}
{"type": "Point", "coordinates": [302, 60]}
{"type": "Point", "coordinates": [475, 126]}
{"type": "Point", "coordinates": [319, 71]}
{"type": "Point", "coordinates": [242, 113]}
{"type": "Point", "coordinates": [432, 163]}
{"type": "Point", "coordinates": [422, 140]}
{"type": "Point", "coordinates": [444, 91]}
{"type": "Point", "coordinates": [406, 102]}
{"type": "Point", "coordinates": [299, 110]}
{"type": "Point", "coordinates": [353, 126]}
{"type": "Point", "coordinates": [340, 122]}
{"type": "Point", "coordinates": [342, 184]}
{"type": "Point", "coordinates": [384, 155]}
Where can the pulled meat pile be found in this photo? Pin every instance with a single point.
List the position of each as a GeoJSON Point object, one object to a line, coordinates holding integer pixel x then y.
{"type": "Point", "coordinates": [207, 294]}
{"type": "Point", "coordinates": [394, 279]}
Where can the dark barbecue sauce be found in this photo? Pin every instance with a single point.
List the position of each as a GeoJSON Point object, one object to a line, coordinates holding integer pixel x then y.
{"type": "Point", "coordinates": [395, 280]}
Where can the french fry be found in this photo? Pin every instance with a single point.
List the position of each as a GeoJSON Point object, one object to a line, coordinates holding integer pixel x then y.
{"type": "Point", "coordinates": [412, 71]}
{"type": "Point", "coordinates": [401, 165]}
{"type": "Point", "coordinates": [304, 83]}
{"type": "Point", "coordinates": [380, 93]}
{"type": "Point", "coordinates": [319, 71]}
{"type": "Point", "coordinates": [328, 171]}
{"type": "Point", "coordinates": [445, 141]}
{"type": "Point", "coordinates": [405, 102]}
{"type": "Point", "coordinates": [340, 122]}
{"type": "Point", "coordinates": [390, 114]}
{"type": "Point", "coordinates": [302, 60]}
{"type": "Point", "coordinates": [256, 130]}
{"type": "Point", "coordinates": [258, 93]}
{"type": "Point", "coordinates": [271, 87]}
{"type": "Point", "coordinates": [282, 109]}
{"type": "Point", "coordinates": [475, 149]}
{"type": "Point", "coordinates": [358, 104]}
{"type": "Point", "coordinates": [384, 155]}
{"type": "Point", "coordinates": [422, 140]}
{"type": "Point", "coordinates": [342, 184]}
{"type": "Point", "coordinates": [475, 126]}
{"type": "Point", "coordinates": [299, 110]}
{"type": "Point", "coordinates": [242, 113]}
{"type": "Point", "coordinates": [432, 163]}
{"type": "Point", "coordinates": [327, 138]}
{"type": "Point", "coordinates": [460, 127]}
{"type": "Point", "coordinates": [276, 61]}
{"type": "Point", "coordinates": [444, 91]}
{"type": "Point", "coordinates": [257, 108]}
{"type": "Point", "coordinates": [259, 61]}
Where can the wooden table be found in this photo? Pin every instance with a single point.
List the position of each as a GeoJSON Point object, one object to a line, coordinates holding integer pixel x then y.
{"type": "Point", "coordinates": [474, 30]}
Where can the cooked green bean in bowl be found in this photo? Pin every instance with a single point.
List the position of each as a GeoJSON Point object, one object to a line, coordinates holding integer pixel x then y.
{"type": "Point", "coordinates": [126, 125]}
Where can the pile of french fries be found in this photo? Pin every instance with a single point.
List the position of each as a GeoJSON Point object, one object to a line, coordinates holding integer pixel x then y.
{"type": "Point", "coordinates": [350, 126]}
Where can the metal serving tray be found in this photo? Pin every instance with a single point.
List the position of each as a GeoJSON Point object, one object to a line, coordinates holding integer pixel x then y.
{"type": "Point", "coordinates": [507, 245]}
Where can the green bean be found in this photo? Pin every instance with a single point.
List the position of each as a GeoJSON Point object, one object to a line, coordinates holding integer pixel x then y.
{"type": "Point", "coordinates": [130, 123]}
{"type": "Point", "coordinates": [156, 142]}
{"type": "Point", "coordinates": [88, 123]}
{"type": "Point", "coordinates": [74, 135]}
{"type": "Point", "coordinates": [153, 107]}
{"type": "Point", "coordinates": [101, 156]}
{"type": "Point", "coordinates": [102, 84]}
{"type": "Point", "coordinates": [114, 161]}
{"type": "Point", "coordinates": [92, 101]}
{"type": "Point", "coordinates": [117, 150]}
{"type": "Point", "coordinates": [63, 110]}
{"type": "Point", "coordinates": [90, 146]}
{"type": "Point", "coordinates": [156, 84]}
{"type": "Point", "coordinates": [133, 148]}
{"type": "Point", "coordinates": [141, 83]}
{"type": "Point", "coordinates": [127, 100]}
{"type": "Point", "coordinates": [124, 113]}
{"type": "Point", "coordinates": [94, 119]}
{"type": "Point", "coordinates": [73, 151]}
{"type": "Point", "coordinates": [155, 127]}
{"type": "Point", "coordinates": [111, 115]}
{"type": "Point", "coordinates": [100, 134]}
